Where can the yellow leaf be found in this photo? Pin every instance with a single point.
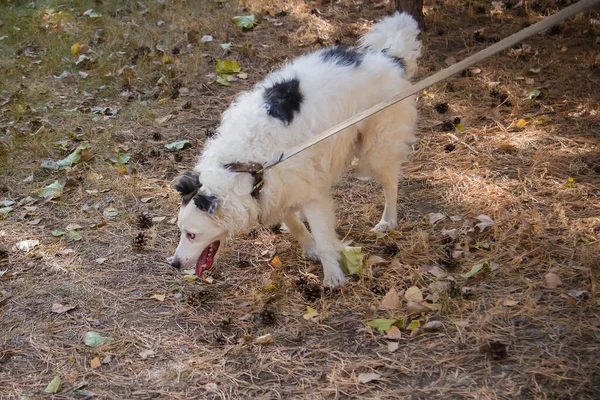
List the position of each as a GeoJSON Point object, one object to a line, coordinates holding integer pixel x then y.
{"type": "Point", "coordinates": [95, 363]}
{"type": "Point", "coordinates": [271, 287]}
{"type": "Point", "coordinates": [166, 59]}
{"type": "Point", "coordinates": [276, 262]}
{"type": "Point", "coordinates": [75, 49]}
{"type": "Point", "coordinates": [414, 325]}
{"type": "Point", "coordinates": [521, 122]}
{"type": "Point", "coordinates": [311, 314]}
{"type": "Point", "coordinates": [159, 297]}
{"type": "Point", "coordinates": [164, 100]}
{"type": "Point", "coordinates": [121, 170]}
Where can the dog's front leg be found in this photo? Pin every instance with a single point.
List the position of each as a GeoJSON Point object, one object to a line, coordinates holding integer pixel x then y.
{"type": "Point", "coordinates": [298, 229]}
{"type": "Point", "coordinates": [321, 218]}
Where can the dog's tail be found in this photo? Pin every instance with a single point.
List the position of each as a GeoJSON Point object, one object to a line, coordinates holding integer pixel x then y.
{"type": "Point", "coordinates": [396, 36]}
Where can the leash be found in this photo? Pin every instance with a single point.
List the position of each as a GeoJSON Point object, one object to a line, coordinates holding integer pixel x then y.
{"type": "Point", "coordinates": [504, 44]}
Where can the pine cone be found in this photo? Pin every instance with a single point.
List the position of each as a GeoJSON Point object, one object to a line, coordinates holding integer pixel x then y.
{"type": "Point", "coordinates": [3, 258]}
{"type": "Point", "coordinates": [156, 135]}
{"type": "Point", "coordinates": [145, 220]}
{"type": "Point", "coordinates": [139, 242]}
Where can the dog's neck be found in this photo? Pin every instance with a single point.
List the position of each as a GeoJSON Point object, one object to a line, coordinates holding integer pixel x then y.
{"type": "Point", "coordinates": [254, 169]}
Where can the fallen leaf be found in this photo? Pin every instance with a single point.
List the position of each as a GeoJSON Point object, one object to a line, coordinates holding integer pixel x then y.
{"type": "Point", "coordinates": [73, 227]}
{"type": "Point", "coordinates": [58, 308]}
{"type": "Point", "coordinates": [393, 333]}
{"type": "Point", "coordinates": [94, 339]}
{"type": "Point", "coordinates": [5, 210]}
{"type": "Point", "coordinates": [484, 222]}
{"type": "Point", "coordinates": [552, 280]}
{"type": "Point", "coordinates": [34, 221]}
{"type": "Point", "coordinates": [412, 307]}
{"type": "Point", "coordinates": [6, 203]}
{"type": "Point", "coordinates": [382, 325]}
{"type": "Point", "coordinates": [510, 302]}
{"type": "Point", "coordinates": [54, 385]}
{"type": "Point", "coordinates": [180, 145]}
{"type": "Point", "coordinates": [27, 245]}
{"type": "Point", "coordinates": [393, 346]}
{"type": "Point", "coordinates": [206, 39]}
{"type": "Point", "coordinates": [435, 217]}
{"type": "Point", "coordinates": [368, 377]}
{"type": "Point", "coordinates": [391, 301]}
{"type": "Point", "coordinates": [521, 123]}
{"type": "Point", "coordinates": [276, 262]}
{"type": "Point", "coordinates": [413, 293]}
{"type": "Point", "coordinates": [570, 183]}
{"type": "Point", "coordinates": [227, 67]}
{"type": "Point", "coordinates": [53, 190]}
{"type": "Point", "coordinates": [148, 353]}
{"type": "Point", "coordinates": [351, 260]}
{"type": "Point", "coordinates": [476, 269]}
{"type": "Point", "coordinates": [159, 297]}
{"type": "Point", "coordinates": [156, 220]}
{"type": "Point", "coordinates": [438, 272]}
{"type": "Point", "coordinates": [375, 260]}
{"type": "Point", "coordinates": [414, 324]}
{"type": "Point", "coordinates": [111, 212]}
{"type": "Point", "coordinates": [165, 119]}
{"type": "Point", "coordinates": [243, 75]}
{"type": "Point", "coordinates": [264, 339]}
{"type": "Point", "coordinates": [533, 93]}
{"type": "Point", "coordinates": [244, 21]}
{"type": "Point", "coordinates": [311, 314]}
{"type": "Point", "coordinates": [95, 363]}
{"type": "Point", "coordinates": [432, 326]}
{"type": "Point", "coordinates": [81, 153]}
{"type": "Point", "coordinates": [74, 235]}
{"type": "Point", "coordinates": [100, 260]}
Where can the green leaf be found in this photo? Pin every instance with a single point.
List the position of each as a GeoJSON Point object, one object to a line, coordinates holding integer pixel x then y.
{"type": "Point", "coordinates": [476, 269]}
{"type": "Point", "coordinates": [459, 128]}
{"type": "Point", "coordinates": [54, 385]}
{"type": "Point", "coordinates": [414, 325]}
{"type": "Point", "coordinates": [227, 67]}
{"type": "Point", "coordinates": [222, 79]}
{"type": "Point", "coordinates": [159, 297]}
{"type": "Point", "coordinates": [533, 93]}
{"type": "Point", "coordinates": [75, 156]}
{"type": "Point", "coordinates": [63, 144]}
{"type": "Point", "coordinates": [57, 233]}
{"type": "Point", "coordinates": [191, 278]}
{"type": "Point", "coordinates": [382, 325]}
{"type": "Point", "coordinates": [352, 260]}
{"type": "Point", "coordinates": [182, 144]}
{"type": "Point", "coordinates": [94, 339]}
{"type": "Point", "coordinates": [121, 158]}
{"type": "Point", "coordinates": [244, 21]}
{"type": "Point", "coordinates": [53, 190]}
{"type": "Point", "coordinates": [5, 210]}
{"type": "Point", "coordinates": [76, 236]}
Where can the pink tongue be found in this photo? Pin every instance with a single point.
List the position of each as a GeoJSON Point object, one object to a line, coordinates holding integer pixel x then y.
{"type": "Point", "coordinates": [201, 261]}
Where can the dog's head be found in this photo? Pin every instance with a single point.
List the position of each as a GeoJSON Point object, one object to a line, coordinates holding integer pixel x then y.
{"type": "Point", "coordinates": [201, 235]}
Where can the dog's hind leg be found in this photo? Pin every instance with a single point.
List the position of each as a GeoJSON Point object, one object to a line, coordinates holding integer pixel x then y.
{"type": "Point", "coordinates": [298, 229]}
{"type": "Point", "coordinates": [389, 181]}
{"type": "Point", "coordinates": [321, 218]}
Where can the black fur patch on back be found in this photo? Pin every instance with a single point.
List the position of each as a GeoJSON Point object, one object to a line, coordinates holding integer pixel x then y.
{"type": "Point", "coordinates": [187, 184]}
{"type": "Point", "coordinates": [399, 61]}
{"type": "Point", "coordinates": [283, 99]}
{"type": "Point", "coordinates": [342, 56]}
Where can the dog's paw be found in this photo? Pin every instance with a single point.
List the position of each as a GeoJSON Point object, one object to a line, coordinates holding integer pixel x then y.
{"type": "Point", "coordinates": [335, 278]}
{"type": "Point", "coordinates": [384, 226]}
{"type": "Point", "coordinates": [311, 254]}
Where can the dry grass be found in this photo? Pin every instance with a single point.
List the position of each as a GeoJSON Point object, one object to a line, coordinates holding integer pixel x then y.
{"type": "Point", "coordinates": [504, 334]}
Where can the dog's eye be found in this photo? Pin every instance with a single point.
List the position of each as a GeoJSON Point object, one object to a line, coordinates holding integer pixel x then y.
{"type": "Point", "coordinates": [191, 236]}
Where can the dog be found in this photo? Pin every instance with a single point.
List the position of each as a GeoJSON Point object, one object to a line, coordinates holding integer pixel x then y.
{"type": "Point", "coordinates": [227, 191]}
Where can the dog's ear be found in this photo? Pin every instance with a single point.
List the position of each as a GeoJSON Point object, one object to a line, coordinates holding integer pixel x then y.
{"type": "Point", "coordinates": [187, 184]}
{"type": "Point", "coordinates": [206, 203]}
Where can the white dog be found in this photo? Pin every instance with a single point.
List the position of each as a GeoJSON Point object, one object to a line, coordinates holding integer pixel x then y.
{"type": "Point", "coordinates": [305, 97]}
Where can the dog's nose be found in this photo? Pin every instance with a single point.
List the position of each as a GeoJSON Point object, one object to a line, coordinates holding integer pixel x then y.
{"type": "Point", "coordinates": [175, 263]}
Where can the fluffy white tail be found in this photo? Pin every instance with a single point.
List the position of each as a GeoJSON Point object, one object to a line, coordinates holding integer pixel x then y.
{"type": "Point", "coordinates": [397, 35]}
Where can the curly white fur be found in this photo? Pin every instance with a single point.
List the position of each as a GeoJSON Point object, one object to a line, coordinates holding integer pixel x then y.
{"type": "Point", "coordinates": [332, 92]}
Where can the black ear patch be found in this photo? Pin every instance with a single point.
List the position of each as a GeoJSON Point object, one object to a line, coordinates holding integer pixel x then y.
{"type": "Point", "coordinates": [342, 56]}
{"type": "Point", "coordinates": [187, 184]}
{"type": "Point", "coordinates": [283, 99]}
{"type": "Point", "coordinates": [206, 203]}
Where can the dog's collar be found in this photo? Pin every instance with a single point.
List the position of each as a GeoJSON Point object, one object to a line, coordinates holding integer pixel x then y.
{"type": "Point", "coordinates": [254, 169]}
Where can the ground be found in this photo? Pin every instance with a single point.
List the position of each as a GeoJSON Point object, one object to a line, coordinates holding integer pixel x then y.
{"type": "Point", "coordinates": [505, 179]}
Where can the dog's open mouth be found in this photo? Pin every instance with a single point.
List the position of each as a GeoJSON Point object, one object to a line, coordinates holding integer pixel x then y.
{"type": "Point", "coordinates": [207, 258]}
